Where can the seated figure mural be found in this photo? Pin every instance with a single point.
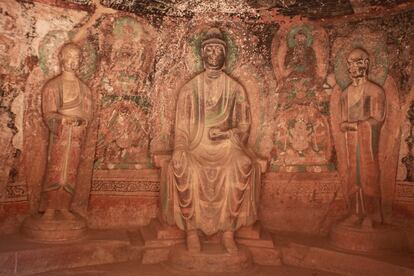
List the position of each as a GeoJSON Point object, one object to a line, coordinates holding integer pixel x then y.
{"type": "Point", "coordinates": [213, 178]}
{"type": "Point", "coordinates": [362, 112]}
{"type": "Point", "coordinates": [67, 112]}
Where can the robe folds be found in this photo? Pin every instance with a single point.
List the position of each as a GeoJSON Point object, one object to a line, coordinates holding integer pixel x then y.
{"type": "Point", "coordinates": [211, 184]}
{"type": "Point", "coordinates": [364, 105]}
{"type": "Point", "coordinates": [65, 139]}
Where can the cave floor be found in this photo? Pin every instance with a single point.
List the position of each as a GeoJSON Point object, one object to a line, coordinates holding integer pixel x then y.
{"type": "Point", "coordinates": [137, 269]}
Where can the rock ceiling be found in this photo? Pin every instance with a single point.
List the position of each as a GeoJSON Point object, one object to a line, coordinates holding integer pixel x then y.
{"type": "Point", "coordinates": [314, 9]}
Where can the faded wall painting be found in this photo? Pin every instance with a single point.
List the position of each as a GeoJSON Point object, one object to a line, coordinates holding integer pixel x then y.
{"type": "Point", "coordinates": [302, 138]}
{"type": "Point", "coordinates": [127, 60]}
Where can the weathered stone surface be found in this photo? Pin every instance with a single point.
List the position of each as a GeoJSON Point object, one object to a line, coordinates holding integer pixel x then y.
{"type": "Point", "coordinates": [137, 58]}
{"type": "Point", "coordinates": [213, 258]}
{"type": "Point", "coordinates": [126, 211]}
{"type": "Point", "coordinates": [380, 238]}
{"type": "Point", "coordinates": [156, 255]}
{"type": "Point", "coordinates": [98, 248]}
{"type": "Point", "coordinates": [328, 259]}
{"type": "Point", "coordinates": [266, 256]}
{"type": "Point", "coordinates": [301, 202]}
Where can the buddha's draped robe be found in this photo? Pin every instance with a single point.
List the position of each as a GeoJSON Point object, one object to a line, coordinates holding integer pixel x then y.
{"type": "Point", "coordinates": [212, 185]}
{"type": "Point", "coordinates": [66, 140]}
{"type": "Point", "coordinates": [364, 105]}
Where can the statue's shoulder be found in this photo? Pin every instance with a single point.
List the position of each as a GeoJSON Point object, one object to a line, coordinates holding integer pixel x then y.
{"type": "Point", "coordinates": [373, 89]}
{"type": "Point", "coordinates": [234, 84]}
{"type": "Point", "coordinates": [52, 85]}
{"type": "Point", "coordinates": [53, 82]}
{"type": "Point", "coordinates": [190, 85]}
{"type": "Point", "coordinates": [84, 86]}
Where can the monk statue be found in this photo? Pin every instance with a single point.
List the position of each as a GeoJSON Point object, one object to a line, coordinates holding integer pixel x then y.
{"type": "Point", "coordinates": [67, 112]}
{"type": "Point", "coordinates": [212, 179]}
{"type": "Point", "coordinates": [362, 114]}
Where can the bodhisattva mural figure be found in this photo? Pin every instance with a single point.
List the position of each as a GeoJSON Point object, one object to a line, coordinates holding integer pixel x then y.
{"type": "Point", "coordinates": [212, 179]}
{"type": "Point", "coordinates": [362, 112]}
{"type": "Point", "coordinates": [67, 111]}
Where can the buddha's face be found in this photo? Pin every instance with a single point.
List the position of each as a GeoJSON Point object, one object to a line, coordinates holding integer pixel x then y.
{"type": "Point", "coordinates": [70, 60]}
{"type": "Point", "coordinates": [300, 39]}
{"type": "Point", "coordinates": [357, 64]}
{"type": "Point", "coordinates": [214, 56]}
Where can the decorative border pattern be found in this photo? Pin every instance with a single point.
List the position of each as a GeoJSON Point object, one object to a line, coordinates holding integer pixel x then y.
{"type": "Point", "coordinates": [309, 188]}
{"type": "Point", "coordinates": [404, 191]}
{"type": "Point", "coordinates": [15, 192]}
{"type": "Point", "coordinates": [124, 187]}
{"type": "Point", "coordinates": [126, 182]}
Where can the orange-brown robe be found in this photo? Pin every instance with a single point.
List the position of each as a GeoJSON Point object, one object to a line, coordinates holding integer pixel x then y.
{"type": "Point", "coordinates": [65, 139]}
{"type": "Point", "coordinates": [364, 105]}
{"type": "Point", "coordinates": [212, 185]}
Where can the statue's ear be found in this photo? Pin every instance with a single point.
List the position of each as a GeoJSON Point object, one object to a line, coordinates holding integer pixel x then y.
{"type": "Point", "coordinates": [202, 51]}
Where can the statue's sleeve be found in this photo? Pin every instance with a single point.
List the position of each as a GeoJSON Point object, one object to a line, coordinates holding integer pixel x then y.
{"type": "Point", "coordinates": [241, 116]}
{"type": "Point", "coordinates": [182, 119]}
{"type": "Point", "coordinates": [344, 108]}
{"type": "Point", "coordinates": [88, 105]}
{"type": "Point", "coordinates": [377, 107]}
{"type": "Point", "coordinates": [50, 102]}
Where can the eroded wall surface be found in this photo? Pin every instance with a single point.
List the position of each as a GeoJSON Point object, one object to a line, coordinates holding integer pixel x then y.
{"type": "Point", "coordinates": [136, 60]}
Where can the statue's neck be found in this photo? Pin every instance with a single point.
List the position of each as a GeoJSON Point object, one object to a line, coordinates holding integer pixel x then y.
{"type": "Point", "coordinates": [213, 73]}
{"type": "Point", "coordinates": [70, 76]}
{"type": "Point", "coordinates": [359, 81]}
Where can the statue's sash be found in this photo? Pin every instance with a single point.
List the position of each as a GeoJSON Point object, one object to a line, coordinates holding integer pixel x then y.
{"type": "Point", "coordinates": [199, 105]}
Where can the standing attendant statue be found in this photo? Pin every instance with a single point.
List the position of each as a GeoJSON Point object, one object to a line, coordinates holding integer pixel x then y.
{"type": "Point", "coordinates": [212, 179]}
{"type": "Point", "coordinates": [67, 112]}
{"type": "Point", "coordinates": [362, 115]}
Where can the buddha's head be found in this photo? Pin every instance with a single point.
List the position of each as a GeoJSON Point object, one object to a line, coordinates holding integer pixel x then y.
{"type": "Point", "coordinates": [358, 62]}
{"type": "Point", "coordinates": [69, 57]}
{"type": "Point", "coordinates": [300, 39]}
{"type": "Point", "coordinates": [213, 49]}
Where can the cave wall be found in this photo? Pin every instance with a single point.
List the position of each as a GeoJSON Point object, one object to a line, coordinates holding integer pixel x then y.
{"type": "Point", "coordinates": [135, 62]}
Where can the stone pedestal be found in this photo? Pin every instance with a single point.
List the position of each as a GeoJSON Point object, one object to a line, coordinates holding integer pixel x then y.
{"type": "Point", "coordinates": [58, 229]}
{"type": "Point", "coordinates": [366, 239]}
{"type": "Point", "coordinates": [212, 258]}
{"type": "Point", "coordinates": [260, 244]}
{"type": "Point", "coordinates": [158, 238]}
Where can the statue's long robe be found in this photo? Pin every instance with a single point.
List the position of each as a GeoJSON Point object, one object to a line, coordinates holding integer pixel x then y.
{"type": "Point", "coordinates": [65, 144]}
{"type": "Point", "coordinates": [364, 105]}
{"type": "Point", "coordinates": [212, 185]}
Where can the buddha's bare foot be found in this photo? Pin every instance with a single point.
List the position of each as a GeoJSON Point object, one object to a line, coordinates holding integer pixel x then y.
{"type": "Point", "coordinates": [49, 214]}
{"type": "Point", "coordinates": [193, 241]}
{"type": "Point", "coordinates": [228, 242]}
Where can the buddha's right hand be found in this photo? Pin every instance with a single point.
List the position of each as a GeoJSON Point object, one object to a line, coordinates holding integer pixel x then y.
{"type": "Point", "coordinates": [216, 134]}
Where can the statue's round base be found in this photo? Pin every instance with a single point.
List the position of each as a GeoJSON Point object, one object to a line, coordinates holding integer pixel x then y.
{"type": "Point", "coordinates": [212, 258]}
{"type": "Point", "coordinates": [367, 239]}
{"type": "Point", "coordinates": [57, 229]}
